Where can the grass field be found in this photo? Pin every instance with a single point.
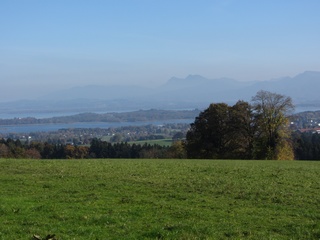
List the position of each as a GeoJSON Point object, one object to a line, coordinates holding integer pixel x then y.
{"type": "Point", "coordinates": [159, 199]}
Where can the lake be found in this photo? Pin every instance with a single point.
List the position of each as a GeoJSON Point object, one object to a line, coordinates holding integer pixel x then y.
{"type": "Point", "coordinates": [28, 128]}
{"type": "Point", "coordinates": [41, 115]}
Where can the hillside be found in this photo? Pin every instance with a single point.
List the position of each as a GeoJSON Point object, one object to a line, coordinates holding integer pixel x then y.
{"type": "Point", "coordinates": [135, 116]}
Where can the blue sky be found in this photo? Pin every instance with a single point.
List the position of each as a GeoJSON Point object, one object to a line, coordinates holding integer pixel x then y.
{"type": "Point", "coordinates": [54, 44]}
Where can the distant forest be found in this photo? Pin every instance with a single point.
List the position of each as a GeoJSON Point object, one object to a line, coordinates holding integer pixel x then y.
{"type": "Point", "coordinates": [306, 146]}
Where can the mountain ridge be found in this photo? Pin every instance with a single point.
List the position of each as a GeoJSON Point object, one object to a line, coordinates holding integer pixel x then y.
{"type": "Point", "coordinates": [193, 91]}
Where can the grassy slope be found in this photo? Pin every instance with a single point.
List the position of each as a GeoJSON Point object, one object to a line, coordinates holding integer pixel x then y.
{"type": "Point", "coordinates": [150, 199]}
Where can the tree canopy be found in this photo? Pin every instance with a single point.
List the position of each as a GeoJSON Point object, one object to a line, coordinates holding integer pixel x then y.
{"type": "Point", "coordinates": [221, 131]}
{"type": "Point", "coordinates": [244, 130]}
{"type": "Point", "coordinates": [271, 112]}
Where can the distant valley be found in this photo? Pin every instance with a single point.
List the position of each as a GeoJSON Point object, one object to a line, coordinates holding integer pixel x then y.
{"type": "Point", "coordinates": [192, 92]}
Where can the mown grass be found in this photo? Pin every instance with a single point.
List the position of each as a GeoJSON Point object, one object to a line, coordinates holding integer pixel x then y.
{"type": "Point", "coordinates": [159, 199]}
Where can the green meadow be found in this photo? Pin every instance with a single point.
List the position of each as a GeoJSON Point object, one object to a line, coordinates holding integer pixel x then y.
{"type": "Point", "coordinates": [159, 199]}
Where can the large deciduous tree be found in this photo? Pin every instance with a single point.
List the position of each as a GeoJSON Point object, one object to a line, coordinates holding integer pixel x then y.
{"type": "Point", "coordinates": [221, 131]}
{"type": "Point", "coordinates": [272, 137]}
{"type": "Point", "coordinates": [207, 136]}
{"type": "Point", "coordinates": [243, 131]}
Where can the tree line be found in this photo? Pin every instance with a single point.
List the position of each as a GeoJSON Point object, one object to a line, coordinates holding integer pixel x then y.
{"type": "Point", "coordinates": [98, 149]}
{"type": "Point", "coordinates": [256, 130]}
{"type": "Point", "coordinates": [306, 146]}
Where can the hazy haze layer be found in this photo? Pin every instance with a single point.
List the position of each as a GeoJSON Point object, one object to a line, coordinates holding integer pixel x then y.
{"type": "Point", "coordinates": [53, 45]}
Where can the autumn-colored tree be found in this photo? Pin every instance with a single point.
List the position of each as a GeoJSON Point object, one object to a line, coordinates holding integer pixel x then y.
{"type": "Point", "coordinates": [272, 136]}
{"type": "Point", "coordinates": [177, 150]}
{"type": "Point", "coordinates": [4, 151]}
{"type": "Point", "coordinates": [32, 153]}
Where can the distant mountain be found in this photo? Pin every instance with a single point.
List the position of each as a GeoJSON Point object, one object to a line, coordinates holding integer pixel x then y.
{"type": "Point", "coordinates": [194, 91]}
{"type": "Point", "coordinates": [197, 80]}
{"type": "Point", "coordinates": [196, 88]}
{"type": "Point", "coordinates": [302, 88]}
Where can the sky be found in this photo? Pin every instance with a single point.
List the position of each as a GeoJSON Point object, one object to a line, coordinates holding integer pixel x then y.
{"type": "Point", "coordinates": [46, 45]}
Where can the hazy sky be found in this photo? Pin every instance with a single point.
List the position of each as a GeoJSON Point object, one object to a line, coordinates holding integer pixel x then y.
{"type": "Point", "coordinates": [55, 44]}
